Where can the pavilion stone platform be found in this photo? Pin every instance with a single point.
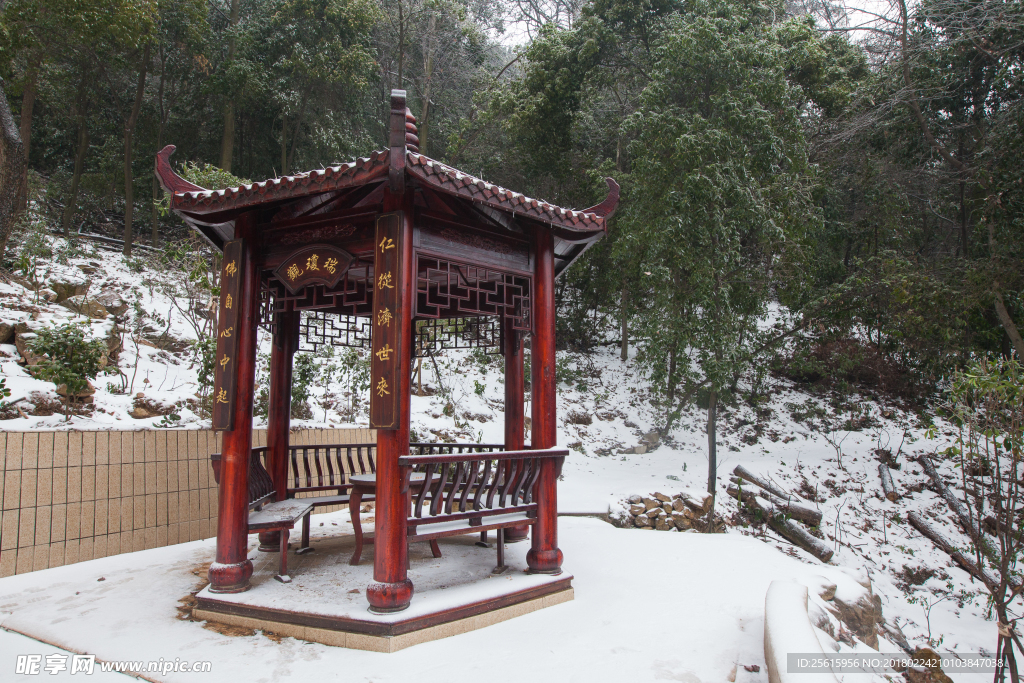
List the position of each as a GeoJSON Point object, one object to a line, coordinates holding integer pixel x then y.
{"type": "Point", "coordinates": [325, 602]}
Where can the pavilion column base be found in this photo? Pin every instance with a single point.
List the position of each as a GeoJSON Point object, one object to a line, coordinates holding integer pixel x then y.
{"type": "Point", "coordinates": [387, 598]}
{"type": "Point", "coordinates": [230, 578]}
{"type": "Point", "coordinates": [516, 534]}
{"type": "Point", "coordinates": [544, 561]}
{"type": "Point", "coordinates": [270, 541]}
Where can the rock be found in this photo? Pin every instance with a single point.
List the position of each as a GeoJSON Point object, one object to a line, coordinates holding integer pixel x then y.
{"type": "Point", "coordinates": [667, 507]}
{"type": "Point", "coordinates": [927, 674]}
{"type": "Point", "coordinates": [823, 587]}
{"type": "Point", "coordinates": [84, 306]}
{"type": "Point", "coordinates": [112, 301]}
{"type": "Point", "coordinates": [90, 267]}
{"type": "Point", "coordinates": [23, 342]}
{"type": "Point", "coordinates": [6, 332]}
{"type": "Point", "coordinates": [639, 450]}
{"type": "Point", "coordinates": [680, 520]}
{"type": "Point", "coordinates": [83, 396]}
{"type": "Point", "coordinates": [637, 510]}
{"type": "Point", "coordinates": [678, 505]}
{"type": "Point", "coordinates": [654, 513]}
{"type": "Point", "coordinates": [862, 617]}
{"type": "Point", "coordinates": [642, 521]}
{"type": "Point", "coordinates": [662, 497]}
{"type": "Point", "coordinates": [166, 342]}
{"type": "Point", "coordinates": [652, 439]}
{"type": "Point", "coordinates": [647, 528]}
{"type": "Point", "coordinates": [69, 286]}
{"type": "Point", "coordinates": [635, 499]}
{"type": "Point", "coordinates": [664, 524]}
{"type": "Point", "coordinates": [651, 503]}
{"type": "Point", "coordinates": [144, 408]}
{"type": "Point", "coordinates": [48, 295]}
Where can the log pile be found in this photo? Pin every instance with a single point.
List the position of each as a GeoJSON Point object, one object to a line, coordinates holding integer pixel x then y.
{"type": "Point", "coordinates": [780, 510]}
{"type": "Point", "coordinates": [660, 512]}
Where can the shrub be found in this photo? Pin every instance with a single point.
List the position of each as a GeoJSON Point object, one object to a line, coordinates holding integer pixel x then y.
{"type": "Point", "coordinates": [304, 373]}
{"type": "Point", "coordinates": [72, 358]}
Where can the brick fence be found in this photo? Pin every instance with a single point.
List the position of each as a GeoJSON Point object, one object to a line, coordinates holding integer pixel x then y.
{"type": "Point", "coordinates": [75, 496]}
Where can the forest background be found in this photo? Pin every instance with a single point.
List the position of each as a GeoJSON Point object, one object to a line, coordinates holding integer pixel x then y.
{"type": "Point", "coordinates": [828, 192]}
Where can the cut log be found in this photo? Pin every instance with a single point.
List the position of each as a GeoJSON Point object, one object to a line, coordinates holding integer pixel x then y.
{"type": "Point", "coordinates": [805, 514]}
{"type": "Point", "coordinates": [888, 488]}
{"type": "Point", "coordinates": [958, 508]}
{"type": "Point", "coordinates": [787, 528]}
{"type": "Point", "coordinates": [744, 473]}
{"type": "Point", "coordinates": [955, 505]}
{"type": "Point", "coordinates": [796, 534]}
{"type": "Point", "coordinates": [968, 565]}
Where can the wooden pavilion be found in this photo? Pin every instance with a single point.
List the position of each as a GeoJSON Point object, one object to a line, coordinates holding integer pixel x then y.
{"type": "Point", "coordinates": [400, 254]}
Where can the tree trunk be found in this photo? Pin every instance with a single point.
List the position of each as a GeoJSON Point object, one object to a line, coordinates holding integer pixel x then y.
{"type": "Point", "coordinates": [401, 44]}
{"type": "Point", "coordinates": [1007, 322]}
{"type": "Point", "coordinates": [284, 146]}
{"type": "Point", "coordinates": [298, 127]}
{"type": "Point", "coordinates": [428, 74]}
{"type": "Point", "coordinates": [12, 170]}
{"type": "Point", "coordinates": [227, 141]}
{"type": "Point", "coordinates": [155, 237]}
{"type": "Point", "coordinates": [28, 101]}
{"type": "Point", "coordinates": [129, 132]}
{"type": "Point", "coordinates": [76, 176]}
{"type": "Point", "coordinates": [712, 456]}
{"type": "Point", "coordinates": [624, 312]}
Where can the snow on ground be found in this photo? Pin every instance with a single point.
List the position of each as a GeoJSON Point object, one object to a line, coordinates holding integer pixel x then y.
{"type": "Point", "coordinates": [606, 407]}
{"type": "Point", "coordinates": [684, 607]}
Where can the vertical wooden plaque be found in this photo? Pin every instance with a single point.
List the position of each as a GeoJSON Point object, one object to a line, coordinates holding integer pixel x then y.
{"type": "Point", "coordinates": [224, 373]}
{"type": "Point", "coordinates": [388, 314]}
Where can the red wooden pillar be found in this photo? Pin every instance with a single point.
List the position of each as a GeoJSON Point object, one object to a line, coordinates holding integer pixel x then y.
{"type": "Point", "coordinates": [514, 441]}
{"type": "Point", "coordinates": [282, 353]}
{"type": "Point", "coordinates": [544, 556]}
{"type": "Point", "coordinates": [231, 572]}
{"type": "Point", "coordinates": [391, 590]}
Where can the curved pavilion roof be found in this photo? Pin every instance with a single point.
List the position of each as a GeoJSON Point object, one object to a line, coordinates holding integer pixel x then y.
{"type": "Point", "coordinates": [337, 191]}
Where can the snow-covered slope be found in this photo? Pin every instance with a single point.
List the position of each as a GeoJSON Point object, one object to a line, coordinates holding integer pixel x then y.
{"type": "Point", "coordinates": [605, 409]}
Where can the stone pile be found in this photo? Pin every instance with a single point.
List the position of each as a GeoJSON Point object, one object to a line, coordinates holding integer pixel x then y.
{"type": "Point", "coordinates": [681, 512]}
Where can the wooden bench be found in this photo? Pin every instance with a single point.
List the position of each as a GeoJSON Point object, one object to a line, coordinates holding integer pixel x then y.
{"type": "Point", "coordinates": [266, 513]}
{"type": "Point", "coordinates": [320, 477]}
{"type": "Point", "coordinates": [471, 493]}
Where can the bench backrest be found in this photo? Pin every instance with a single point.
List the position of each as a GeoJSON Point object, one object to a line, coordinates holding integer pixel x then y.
{"type": "Point", "coordinates": [328, 467]}
{"type": "Point", "coordinates": [261, 486]}
{"type": "Point", "coordinates": [474, 486]}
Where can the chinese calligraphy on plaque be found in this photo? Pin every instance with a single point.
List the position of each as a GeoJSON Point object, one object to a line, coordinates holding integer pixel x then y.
{"type": "Point", "coordinates": [388, 312]}
{"type": "Point", "coordinates": [225, 374]}
{"type": "Point", "coordinates": [317, 264]}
